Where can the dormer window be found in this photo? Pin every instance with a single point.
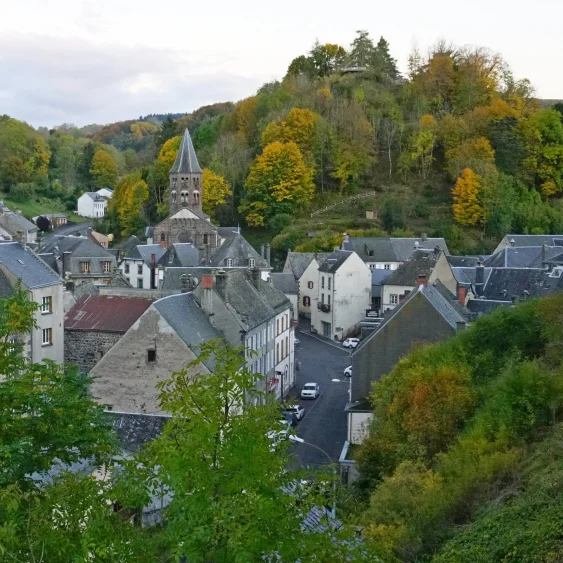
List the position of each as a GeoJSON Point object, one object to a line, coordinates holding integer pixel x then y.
{"type": "Point", "coordinates": [229, 262]}
{"type": "Point", "coordinates": [556, 273]}
{"type": "Point", "coordinates": [251, 262]}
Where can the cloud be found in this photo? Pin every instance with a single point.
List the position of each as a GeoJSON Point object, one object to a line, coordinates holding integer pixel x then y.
{"type": "Point", "coordinates": [56, 80]}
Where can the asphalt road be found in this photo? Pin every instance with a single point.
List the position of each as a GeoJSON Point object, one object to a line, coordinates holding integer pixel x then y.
{"type": "Point", "coordinates": [324, 422]}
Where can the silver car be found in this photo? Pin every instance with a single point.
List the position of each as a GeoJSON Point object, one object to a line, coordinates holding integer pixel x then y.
{"type": "Point", "coordinates": [310, 391]}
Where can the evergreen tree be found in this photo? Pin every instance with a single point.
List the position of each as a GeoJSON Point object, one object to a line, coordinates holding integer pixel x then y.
{"type": "Point", "coordinates": [167, 131]}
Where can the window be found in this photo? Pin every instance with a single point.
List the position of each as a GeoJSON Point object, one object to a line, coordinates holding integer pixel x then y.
{"type": "Point", "coordinates": [394, 299]}
{"type": "Point", "coordinates": [162, 237]}
{"type": "Point", "coordinates": [126, 268]}
{"type": "Point", "coordinates": [322, 297]}
{"type": "Point", "coordinates": [387, 267]}
{"type": "Point", "coordinates": [277, 352]}
{"type": "Point", "coordinates": [329, 299]}
{"type": "Point", "coordinates": [251, 262]}
{"type": "Point", "coordinates": [106, 267]}
{"type": "Point", "coordinates": [140, 269]}
{"type": "Point", "coordinates": [151, 355]}
{"type": "Point", "coordinates": [173, 196]}
{"type": "Point", "coordinates": [306, 301]}
{"type": "Point", "coordinates": [47, 336]}
{"type": "Point", "coordinates": [205, 238]}
{"type": "Point", "coordinates": [139, 283]}
{"type": "Point", "coordinates": [286, 345]}
{"type": "Point", "coordinates": [322, 282]}
{"type": "Point", "coordinates": [47, 305]}
{"type": "Point", "coordinates": [229, 262]}
{"type": "Point", "coordinates": [85, 267]}
{"type": "Point", "coordinates": [310, 285]}
{"type": "Point", "coordinates": [277, 326]}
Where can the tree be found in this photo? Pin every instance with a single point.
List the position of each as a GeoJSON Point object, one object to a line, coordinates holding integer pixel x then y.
{"type": "Point", "coordinates": [169, 150]}
{"type": "Point", "coordinates": [230, 483]}
{"type": "Point", "coordinates": [216, 190]}
{"type": "Point", "coordinates": [476, 154]}
{"type": "Point", "coordinates": [167, 131]}
{"type": "Point", "coordinates": [279, 182]}
{"type": "Point", "coordinates": [13, 171]}
{"type": "Point", "coordinates": [326, 58]}
{"type": "Point", "coordinates": [467, 207]}
{"type": "Point", "coordinates": [361, 50]}
{"type": "Point", "coordinates": [85, 164]}
{"type": "Point", "coordinates": [128, 201]}
{"type": "Point", "coordinates": [43, 224]}
{"type": "Point", "coordinates": [420, 153]}
{"type": "Point", "coordinates": [104, 170]}
{"type": "Point", "coordinates": [384, 65]}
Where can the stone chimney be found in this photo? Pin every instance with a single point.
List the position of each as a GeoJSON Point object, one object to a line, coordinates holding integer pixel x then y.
{"type": "Point", "coordinates": [207, 294]}
{"type": "Point", "coordinates": [424, 237]}
{"type": "Point", "coordinates": [221, 283]}
{"type": "Point", "coordinates": [267, 256]}
{"type": "Point", "coordinates": [479, 279]}
{"type": "Point", "coordinates": [66, 262]}
{"type": "Point", "coordinates": [255, 273]}
{"type": "Point", "coordinates": [262, 253]}
{"type": "Point", "coordinates": [421, 280]}
{"type": "Point", "coordinates": [345, 237]}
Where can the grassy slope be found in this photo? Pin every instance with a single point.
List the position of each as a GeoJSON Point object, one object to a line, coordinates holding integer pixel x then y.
{"type": "Point", "coordinates": [38, 206]}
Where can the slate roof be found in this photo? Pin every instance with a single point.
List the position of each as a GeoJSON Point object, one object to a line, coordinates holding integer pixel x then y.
{"type": "Point", "coordinates": [463, 261]}
{"type": "Point", "coordinates": [535, 240]}
{"type": "Point", "coordinates": [335, 261]}
{"type": "Point", "coordinates": [186, 159]}
{"type": "Point", "coordinates": [181, 255]}
{"type": "Point", "coordinates": [405, 247]}
{"type": "Point", "coordinates": [173, 276]}
{"type": "Point", "coordinates": [75, 229]}
{"type": "Point", "coordinates": [82, 247]}
{"type": "Point", "coordinates": [391, 249]}
{"type": "Point", "coordinates": [505, 283]}
{"type": "Point", "coordinates": [522, 257]}
{"type": "Point", "coordinates": [95, 196]}
{"type": "Point", "coordinates": [285, 281]}
{"type": "Point", "coordinates": [185, 316]}
{"type": "Point", "coordinates": [129, 244]}
{"type": "Point", "coordinates": [297, 262]}
{"type": "Point", "coordinates": [421, 263]}
{"type": "Point", "coordinates": [224, 232]}
{"type": "Point", "coordinates": [105, 313]}
{"type": "Point", "coordinates": [14, 222]}
{"type": "Point", "coordinates": [147, 250]}
{"type": "Point", "coordinates": [467, 275]}
{"type": "Point", "coordinates": [134, 430]}
{"type": "Point", "coordinates": [379, 275]}
{"type": "Point", "coordinates": [237, 248]}
{"type": "Point", "coordinates": [25, 265]}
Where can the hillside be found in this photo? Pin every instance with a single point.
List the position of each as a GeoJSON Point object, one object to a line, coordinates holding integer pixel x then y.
{"type": "Point", "coordinates": [456, 148]}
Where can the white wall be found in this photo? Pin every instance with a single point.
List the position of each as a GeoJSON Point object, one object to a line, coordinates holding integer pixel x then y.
{"type": "Point", "coordinates": [133, 275]}
{"type": "Point", "coordinates": [382, 265]}
{"type": "Point", "coordinates": [87, 207]}
{"type": "Point", "coordinates": [358, 425]}
{"type": "Point", "coordinates": [310, 275]}
{"type": "Point", "coordinates": [388, 290]}
{"type": "Point", "coordinates": [54, 321]}
{"type": "Point", "coordinates": [285, 360]}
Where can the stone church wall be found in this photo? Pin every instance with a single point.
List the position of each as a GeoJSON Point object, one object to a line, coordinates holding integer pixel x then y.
{"type": "Point", "coordinates": [186, 230]}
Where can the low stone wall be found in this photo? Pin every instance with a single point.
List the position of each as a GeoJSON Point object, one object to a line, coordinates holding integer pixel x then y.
{"type": "Point", "coordinates": [86, 348]}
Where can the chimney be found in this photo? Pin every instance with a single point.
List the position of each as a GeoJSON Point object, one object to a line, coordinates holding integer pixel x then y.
{"type": "Point", "coordinates": [421, 280]}
{"type": "Point", "coordinates": [267, 256]}
{"type": "Point", "coordinates": [335, 248]}
{"type": "Point", "coordinates": [160, 276]}
{"type": "Point", "coordinates": [461, 294]}
{"type": "Point", "coordinates": [424, 237]}
{"type": "Point", "coordinates": [184, 283]}
{"type": "Point", "coordinates": [221, 283]}
{"type": "Point", "coordinates": [262, 253]}
{"type": "Point", "coordinates": [345, 237]}
{"type": "Point", "coordinates": [512, 242]}
{"type": "Point", "coordinates": [66, 262]}
{"type": "Point", "coordinates": [255, 273]}
{"type": "Point", "coordinates": [479, 279]}
{"type": "Point", "coordinates": [207, 294]}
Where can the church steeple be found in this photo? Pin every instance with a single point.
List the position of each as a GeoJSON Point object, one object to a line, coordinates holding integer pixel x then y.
{"type": "Point", "coordinates": [185, 178]}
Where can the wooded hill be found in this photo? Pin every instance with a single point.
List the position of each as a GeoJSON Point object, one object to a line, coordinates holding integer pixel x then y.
{"type": "Point", "coordinates": [458, 147]}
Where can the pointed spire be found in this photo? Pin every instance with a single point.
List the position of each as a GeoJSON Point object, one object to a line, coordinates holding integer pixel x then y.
{"type": "Point", "coordinates": [186, 159]}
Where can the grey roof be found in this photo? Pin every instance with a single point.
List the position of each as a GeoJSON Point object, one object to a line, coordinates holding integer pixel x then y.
{"type": "Point", "coordinates": [134, 429]}
{"type": "Point", "coordinates": [504, 284]}
{"type": "Point", "coordinates": [224, 232]}
{"type": "Point", "coordinates": [95, 196]}
{"type": "Point", "coordinates": [557, 259]}
{"type": "Point", "coordinates": [183, 254]}
{"type": "Point", "coordinates": [464, 261]}
{"type": "Point", "coordinates": [25, 265]}
{"type": "Point", "coordinates": [239, 250]}
{"type": "Point", "coordinates": [146, 251]}
{"type": "Point", "coordinates": [50, 259]}
{"type": "Point", "coordinates": [467, 275]}
{"type": "Point", "coordinates": [186, 159]}
{"type": "Point", "coordinates": [185, 316]}
{"type": "Point", "coordinates": [173, 276]}
{"type": "Point", "coordinates": [297, 262]}
{"type": "Point", "coordinates": [75, 229]}
{"type": "Point", "coordinates": [129, 244]}
{"type": "Point", "coordinates": [14, 222]}
{"type": "Point", "coordinates": [453, 301]}
{"type": "Point", "coordinates": [535, 240]}
{"type": "Point", "coordinates": [379, 275]}
{"type": "Point", "coordinates": [522, 257]}
{"type": "Point", "coordinates": [390, 249]}
{"type": "Point", "coordinates": [285, 281]}
{"type": "Point", "coordinates": [79, 246]}
{"type": "Point", "coordinates": [335, 260]}
{"type": "Point", "coordinates": [421, 263]}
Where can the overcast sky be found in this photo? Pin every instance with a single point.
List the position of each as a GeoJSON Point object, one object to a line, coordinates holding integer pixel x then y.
{"type": "Point", "coordinates": [99, 61]}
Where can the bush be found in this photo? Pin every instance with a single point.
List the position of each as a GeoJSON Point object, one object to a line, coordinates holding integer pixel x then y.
{"type": "Point", "coordinates": [279, 222]}
{"type": "Point", "coordinates": [22, 192]}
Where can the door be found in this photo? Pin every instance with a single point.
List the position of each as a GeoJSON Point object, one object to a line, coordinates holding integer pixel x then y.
{"type": "Point", "coordinates": [326, 329]}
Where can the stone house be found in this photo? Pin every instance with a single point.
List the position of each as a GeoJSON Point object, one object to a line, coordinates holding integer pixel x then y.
{"type": "Point", "coordinates": [97, 322]}
{"type": "Point", "coordinates": [428, 315]}
{"type": "Point", "coordinates": [45, 288]}
{"type": "Point", "coordinates": [343, 295]}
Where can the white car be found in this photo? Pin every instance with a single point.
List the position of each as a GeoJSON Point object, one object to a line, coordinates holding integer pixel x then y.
{"type": "Point", "coordinates": [351, 342]}
{"type": "Point", "coordinates": [310, 391]}
{"type": "Point", "coordinates": [296, 410]}
{"type": "Point", "coordinates": [348, 371]}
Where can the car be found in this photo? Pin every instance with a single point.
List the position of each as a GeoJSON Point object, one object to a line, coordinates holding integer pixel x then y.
{"type": "Point", "coordinates": [296, 410]}
{"type": "Point", "coordinates": [296, 342]}
{"type": "Point", "coordinates": [288, 418]}
{"type": "Point", "coordinates": [351, 342]}
{"type": "Point", "coordinates": [348, 371]}
{"type": "Point", "coordinates": [310, 391]}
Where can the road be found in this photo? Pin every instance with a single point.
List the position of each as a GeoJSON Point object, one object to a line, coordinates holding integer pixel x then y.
{"type": "Point", "coordinates": [324, 423]}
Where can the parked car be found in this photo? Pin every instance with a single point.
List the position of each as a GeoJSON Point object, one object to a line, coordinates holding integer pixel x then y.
{"type": "Point", "coordinates": [348, 371]}
{"type": "Point", "coordinates": [296, 342]}
{"type": "Point", "coordinates": [310, 391]}
{"type": "Point", "coordinates": [288, 419]}
{"type": "Point", "coordinates": [296, 410]}
{"type": "Point", "coordinates": [351, 342]}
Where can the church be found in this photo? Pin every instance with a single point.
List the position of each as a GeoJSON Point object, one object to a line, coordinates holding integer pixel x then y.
{"type": "Point", "coordinates": [186, 221]}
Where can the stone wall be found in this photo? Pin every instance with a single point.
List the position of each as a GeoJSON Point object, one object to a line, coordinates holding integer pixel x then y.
{"type": "Point", "coordinates": [86, 348]}
{"type": "Point", "coordinates": [192, 230]}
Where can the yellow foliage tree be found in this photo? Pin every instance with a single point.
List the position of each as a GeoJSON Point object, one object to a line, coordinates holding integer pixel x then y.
{"type": "Point", "coordinates": [476, 154]}
{"type": "Point", "coordinates": [244, 117]}
{"type": "Point", "coordinates": [216, 190]}
{"type": "Point", "coordinates": [279, 182]}
{"type": "Point", "coordinates": [169, 150]}
{"type": "Point", "coordinates": [142, 129]}
{"type": "Point", "coordinates": [104, 169]}
{"type": "Point", "coordinates": [467, 208]}
{"type": "Point", "coordinates": [129, 198]}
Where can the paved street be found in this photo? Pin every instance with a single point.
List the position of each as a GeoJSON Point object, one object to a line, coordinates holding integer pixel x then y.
{"type": "Point", "coordinates": [324, 423]}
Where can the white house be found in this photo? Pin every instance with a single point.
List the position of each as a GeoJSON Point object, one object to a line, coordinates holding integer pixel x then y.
{"type": "Point", "coordinates": [92, 204]}
{"type": "Point", "coordinates": [343, 295]}
{"type": "Point", "coordinates": [105, 192]}
{"type": "Point", "coordinates": [139, 265]}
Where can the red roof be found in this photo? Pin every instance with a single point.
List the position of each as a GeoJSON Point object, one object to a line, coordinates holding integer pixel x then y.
{"type": "Point", "coordinates": [105, 313]}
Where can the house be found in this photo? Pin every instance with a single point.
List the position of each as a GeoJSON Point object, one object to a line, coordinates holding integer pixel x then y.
{"type": "Point", "coordinates": [92, 204]}
{"type": "Point", "coordinates": [56, 219]}
{"type": "Point", "coordinates": [410, 274]}
{"type": "Point", "coordinates": [100, 238]}
{"type": "Point", "coordinates": [44, 287]}
{"type": "Point", "coordinates": [105, 192]}
{"type": "Point", "coordinates": [95, 323]}
{"type": "Point", "coordinates": [428, 315]}
{"type": "Point", "coordinates": [236, 306]}
{"type": "Point", "coordinates": [522, 257]}
{"type": "Point", "coordinates": [285, 282]}
{"type": "Point", "coordinates": [14, 226]}
{"type": "Point", "coordinates": [343, 295]}
{"type": "Point", "coordinates": [512, 241]}
{"type": "Point", "coordinates": [388, 253]}
{"type": "Point", "coordinates": [304, 266]}
{"type": "Point", "coordinates": [79, 260]}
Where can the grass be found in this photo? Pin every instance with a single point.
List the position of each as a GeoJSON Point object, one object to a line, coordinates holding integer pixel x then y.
{"type": "Point", "coordinates": [39, 206]}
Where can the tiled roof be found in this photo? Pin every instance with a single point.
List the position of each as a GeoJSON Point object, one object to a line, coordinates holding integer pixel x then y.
{"type": "Point", "coordinates": [105, 313]}
{"type": "Point", "coordinates": [285, 281]}
{"type": "Point", "coordinates": [186, 159]}
{"type": "Point", "coordinates": [421, 263]}
{"type": "Point", "coordinates": [130, 244]}
{"type": "Point", "coordinates": [25, 265]}
{"type": "Point", "coordinates": [335, 260]}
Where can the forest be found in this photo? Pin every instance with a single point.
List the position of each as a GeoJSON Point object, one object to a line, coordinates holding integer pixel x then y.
{"type": "Point", "coordinates": [455, 147]}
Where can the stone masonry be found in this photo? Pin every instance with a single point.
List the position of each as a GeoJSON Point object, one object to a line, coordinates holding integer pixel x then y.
{"type": "Point", "coordinates": [87, 348]}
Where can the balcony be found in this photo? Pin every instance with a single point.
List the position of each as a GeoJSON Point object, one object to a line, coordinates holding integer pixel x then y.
{"type": "Point", "coordinates": [323, 307]}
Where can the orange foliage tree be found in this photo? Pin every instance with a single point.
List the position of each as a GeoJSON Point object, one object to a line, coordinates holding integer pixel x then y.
{"type": "Point", "coordinates": [467, 208]}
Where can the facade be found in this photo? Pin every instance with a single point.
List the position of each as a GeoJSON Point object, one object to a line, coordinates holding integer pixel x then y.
{"type": "Point", "coordinates": [97, 322]}
{"type": "Point", "coordinates": [14, 226]}
{"type": "Point", "coordinates": [343, 295]}
{"type": "Point", "coordinates": [428, 315]}
{"type": "Point", "coordinates": [92, 204]}
{"type": "Point", "coordinates": [46, 341]}
{"type": "Point", "coordinates": [285, 282]}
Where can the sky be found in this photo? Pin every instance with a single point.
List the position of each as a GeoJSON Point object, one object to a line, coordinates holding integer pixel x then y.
{"type": "Point", "coordinates": [100, 61]}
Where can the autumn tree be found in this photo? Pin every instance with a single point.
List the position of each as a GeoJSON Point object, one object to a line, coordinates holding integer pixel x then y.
{"type": "Point", "coordinates": [104, 170]}
{"type": "Point", "coordinates": [467, 208]}
{"type": "Point", "coordinates": [169, 150]}
{"type": "Point", "coordinates": [279, 182]}
{"type": "Point", "coordinates": [216, 190]}
{"type": "Point", "coordinates": [476, 154]}
{"type": "Point", "coordinates": [244, 118]}
{"type": "Point", "coordinates": [420, 152]}
{"type": "Point", "coordinates": [128, 201]}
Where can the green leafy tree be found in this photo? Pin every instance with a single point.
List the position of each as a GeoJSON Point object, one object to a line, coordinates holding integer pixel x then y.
{"type": "Point", "coordinates": [85, 164]}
